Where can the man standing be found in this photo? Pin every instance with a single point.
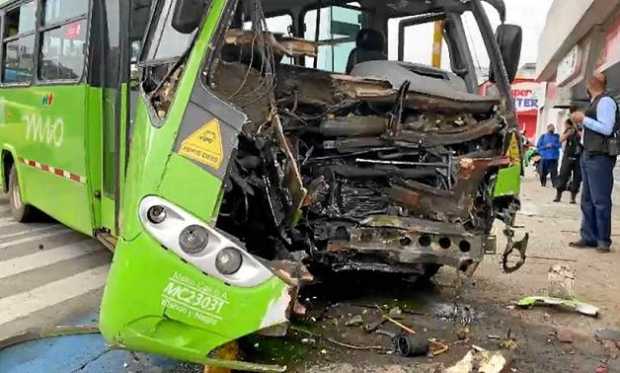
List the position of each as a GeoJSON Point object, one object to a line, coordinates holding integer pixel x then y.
{"type": "Point", "coordinates": [599, 122]}
{"type": "Point", "coordinates": [549, 150]}
{"type": "Point", "coordinates": [571, 167]}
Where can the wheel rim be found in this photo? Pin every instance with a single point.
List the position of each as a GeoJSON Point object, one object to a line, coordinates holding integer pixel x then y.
{"type": "Point", "coordinates": [17, 198]}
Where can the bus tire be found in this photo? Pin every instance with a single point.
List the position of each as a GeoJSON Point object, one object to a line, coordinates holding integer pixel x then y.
{"type": "Point", "coordinates": [20, 211]}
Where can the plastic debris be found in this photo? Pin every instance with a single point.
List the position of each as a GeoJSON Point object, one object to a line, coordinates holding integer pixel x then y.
{"type": "Point", "coordinates": [568, 304]}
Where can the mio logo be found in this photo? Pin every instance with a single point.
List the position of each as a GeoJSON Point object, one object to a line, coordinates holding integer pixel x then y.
{"type": "Point", "coordinates": [44, 130]}
{"type": "Point", "coordinates": [48, 99]}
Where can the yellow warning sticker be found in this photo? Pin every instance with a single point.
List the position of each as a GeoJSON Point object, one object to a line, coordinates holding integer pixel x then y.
{"type": "Point", "coordinates": [513, 150]}
{"type": "Point", "coordinates": [205, 145]}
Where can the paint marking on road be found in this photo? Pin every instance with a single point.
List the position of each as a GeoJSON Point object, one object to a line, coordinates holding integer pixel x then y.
{"type": "Point", "coordinates": [23, 304]}
{"type": "Point", "coordinates": [20, 241]}
{"type": "Point", "coordinates": [7, 221]}
{"type": "Point", "coordinates": [32, 231]}
{"type": "Point", "coordinates": [44, 258]}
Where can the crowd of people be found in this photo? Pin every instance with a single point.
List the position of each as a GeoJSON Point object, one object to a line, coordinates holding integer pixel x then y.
{"type": "Point", "coordinates": [588, 147]}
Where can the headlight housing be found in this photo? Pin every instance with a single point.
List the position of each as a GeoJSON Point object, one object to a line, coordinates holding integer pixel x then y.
{"type": "Point", "coordinates": [207, 248]}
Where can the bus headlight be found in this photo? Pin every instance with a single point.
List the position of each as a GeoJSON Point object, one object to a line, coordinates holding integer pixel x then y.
{"type": "Point", "coordinates": [228, 260]}
{"type": "Point", "coordinates": [156, 214]}
{"type": "Point", "coordinates": [193, 239]}
{"type": "Point", "coordinates": [205, 247]}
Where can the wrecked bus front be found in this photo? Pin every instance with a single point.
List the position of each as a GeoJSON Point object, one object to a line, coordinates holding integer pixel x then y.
{"type": "Point", "coordinates": [258, 155]}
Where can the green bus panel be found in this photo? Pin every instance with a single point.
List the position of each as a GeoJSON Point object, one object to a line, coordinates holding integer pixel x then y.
{"type": "Point", "coordinates": [45, 128]}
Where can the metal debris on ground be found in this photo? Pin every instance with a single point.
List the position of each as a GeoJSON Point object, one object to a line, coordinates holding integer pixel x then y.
{"type": "Point", "coordinates": [567, 304]}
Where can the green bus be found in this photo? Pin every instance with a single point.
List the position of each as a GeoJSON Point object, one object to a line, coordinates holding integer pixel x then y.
{"type": "Point", "coordinates": [230, 151]}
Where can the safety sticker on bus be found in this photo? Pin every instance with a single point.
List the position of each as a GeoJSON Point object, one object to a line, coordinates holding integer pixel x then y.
{"type": "Point", "coordinates": [513, 150]}
{"type": "Point", "coordinates": [205, 145]}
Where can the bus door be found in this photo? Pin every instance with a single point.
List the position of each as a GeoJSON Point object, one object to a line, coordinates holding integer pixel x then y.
{"type": "Point", "coordinates": [116, 44]}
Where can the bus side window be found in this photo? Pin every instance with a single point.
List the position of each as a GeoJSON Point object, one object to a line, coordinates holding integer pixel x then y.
{"type": "Point", "coordinates": [62, 42]}
{"type": "Point", "coordinates": [164, 43]}
{"type": "Point", "coordinates": [18, 43]}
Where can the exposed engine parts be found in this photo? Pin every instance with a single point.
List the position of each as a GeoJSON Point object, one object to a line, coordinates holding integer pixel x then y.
{"type": "Point", "coordinates": [388, 169]}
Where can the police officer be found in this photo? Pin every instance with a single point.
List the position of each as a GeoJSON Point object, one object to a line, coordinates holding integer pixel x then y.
{"type": "Point", "coordinates": [599, 123]}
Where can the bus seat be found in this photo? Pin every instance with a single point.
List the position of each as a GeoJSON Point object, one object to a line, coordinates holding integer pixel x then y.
{"type": "Point", "coordinates": [369, 46]}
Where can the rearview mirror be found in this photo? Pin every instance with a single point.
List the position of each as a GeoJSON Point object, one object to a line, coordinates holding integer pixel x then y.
{"type": "Point", "coordinates": [510, 39]}
{"type": "Point", "coordinates": [187, 15]}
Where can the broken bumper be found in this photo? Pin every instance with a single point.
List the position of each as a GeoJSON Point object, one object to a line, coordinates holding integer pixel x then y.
{"type": "Point", "coordinates": [157, 303]}
{"type": "Point", "coordinates": [404, 245]}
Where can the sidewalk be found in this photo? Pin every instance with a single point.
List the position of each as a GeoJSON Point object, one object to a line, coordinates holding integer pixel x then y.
{"type": "Point", "coordinates": [552, 226]}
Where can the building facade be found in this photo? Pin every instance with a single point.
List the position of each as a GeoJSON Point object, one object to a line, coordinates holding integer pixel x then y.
{"type": "Point", "coordinates": [580, 37]}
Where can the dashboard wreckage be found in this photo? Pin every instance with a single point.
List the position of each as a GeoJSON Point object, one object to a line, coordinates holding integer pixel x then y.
{"type": "Point", "coordinates": [386, 167]}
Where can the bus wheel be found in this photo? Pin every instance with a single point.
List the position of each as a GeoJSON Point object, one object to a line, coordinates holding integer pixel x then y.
{"type": "Point", "coordinates": [20, 211]}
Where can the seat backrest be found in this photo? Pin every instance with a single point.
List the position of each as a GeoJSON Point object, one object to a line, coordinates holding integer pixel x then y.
{"type": "Point", "coordinates": [369, 46]}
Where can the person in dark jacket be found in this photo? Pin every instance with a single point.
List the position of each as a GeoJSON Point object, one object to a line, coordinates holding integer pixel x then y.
{"type": "Point", "coordinates": [549, 149]}
{"type": "Point", "coordinates": [571, 167]}
{"type": "Point", "coordinates": [599, 122]}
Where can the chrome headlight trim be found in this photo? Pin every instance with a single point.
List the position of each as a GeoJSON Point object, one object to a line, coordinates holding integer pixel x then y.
{"type": "Point", "coordinates": [252, 272]}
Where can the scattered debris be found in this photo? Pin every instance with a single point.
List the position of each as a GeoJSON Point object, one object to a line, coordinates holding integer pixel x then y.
{"type": "Point", "coordinates": [396, 313]}
{"type": "Point", "coordinates": [509, 344]}
{"type": "Point", "coordinates": [437, 348]}
{"type": "Point", "coordinates": [571, 305]}
{"type": "Point", "coordinates": [371, 327]}
{"type": "Point", "coordinates": [463, 333]}
{"type": "Point", "coordinates": [356, 320]}
{"type": "Point", "coordinates": [480, 360]}
{"type": "Point", "coordinates": [561, 282]}
{"type": "Point", "coordinates": [565, 335]}
{"type": "Point", "coordinates": [602, 369]}
{"type": "Point", "coordinates": [399, 324]}
{"type": "Point", "coordinates": [354, 347]}
{"type": "Point", "coordinates": [462, 314]}
{"type": "Point", "coordinates": [411, 345]}
{"type": "Point", "coordinates": [607, 334]}
{"type": "Point", "coordinates": [308, 341]}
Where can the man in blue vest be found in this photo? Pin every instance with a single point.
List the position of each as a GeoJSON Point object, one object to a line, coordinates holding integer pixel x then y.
{"type": "Point", "coordinates": [600, 121]}
{"type": "Point", "coordinates": [549, 149]}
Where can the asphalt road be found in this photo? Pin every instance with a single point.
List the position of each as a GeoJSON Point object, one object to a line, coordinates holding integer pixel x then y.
{"type": "Point", "coordinates": [48, 274]}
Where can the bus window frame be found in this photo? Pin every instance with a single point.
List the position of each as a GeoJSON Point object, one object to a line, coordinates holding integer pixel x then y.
{"type": "Point", "coordinates": [143, 60]}
{"type": "Point", "coordinates": [318, 6]}
{"type": "Point", "coordinates": [459, 51]}
{"type": "Point", "coordinates": [42, 28]}
{"type": "Point", "coordinates": [38, 33]}
{"type": "Point", "coordinates": [4, 40]}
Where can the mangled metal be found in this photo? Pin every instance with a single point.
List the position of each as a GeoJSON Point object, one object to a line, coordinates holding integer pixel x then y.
{"type": "Point", "coordinates": [389, 173]}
